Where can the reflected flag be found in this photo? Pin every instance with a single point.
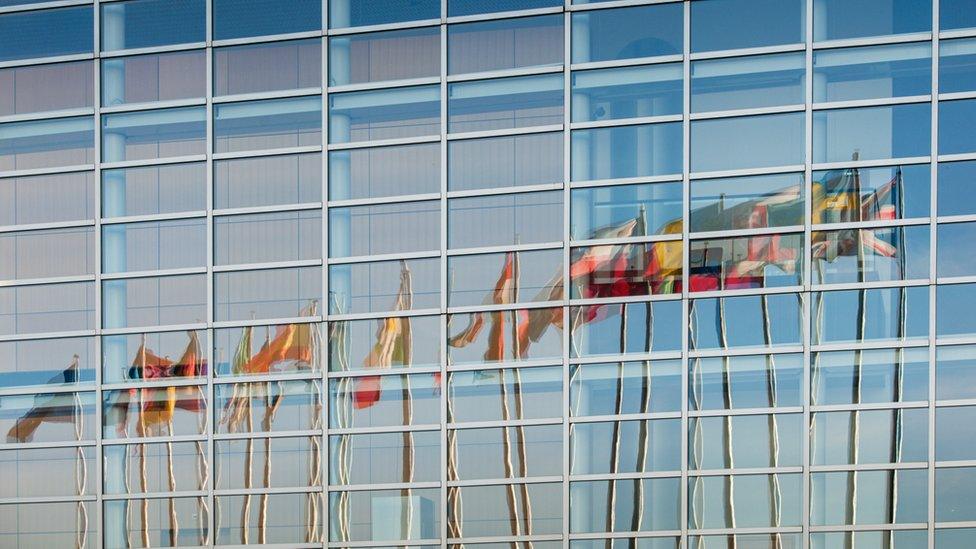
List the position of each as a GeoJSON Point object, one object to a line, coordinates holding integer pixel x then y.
{"type": "Point", "coordinates": [49, 408]}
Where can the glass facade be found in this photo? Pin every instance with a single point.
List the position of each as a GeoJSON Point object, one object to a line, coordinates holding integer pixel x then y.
{"type": "Point", "coordinates": [643, 274]}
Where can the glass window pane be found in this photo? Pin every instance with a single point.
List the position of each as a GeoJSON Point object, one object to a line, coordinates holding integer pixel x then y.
{"type": "Point", "coordinates": [623, 33]}
{"type": "Point", "coordinates": [626, 151]}
{"type": "Point", "coordinates": [48, 417]}
{"type": "Point", "coordinates": [747, 142]}
{"type": "Point", "coordinates": [58, 467]}
{"type": "Point", "coordinates": [385, 171]}
{"type": "Point", "coordinates": [495, 511]}
{"type": "Point", "coordinates": [872, 72]}
{"type": "Point", "coordinates": [623, 387]}
{"type": "Point", "coordinates": [47, 198]}
{"type": "Point", "coordinates": [882, 314]}
{"type": "Point", "coordinates": [956, 14]}
{"type": "Point", "coordinates": [293, 348]}
{"type": "Point", "coordinates": [384, 515]}
{"type": "Point", "coordinates": [869, 436]}
{"type": "Point", "coordinates": [50, 524]}
{"type": "Point", "coordinates": [836, 19]}
{"type": "Point", "coordinates": [380, 56]}
{"type": "Point", "coordinates": [767, 541]}
{"type": "Point", "coordinates": [46, 33]}
{"type": "Point", "coordinates": [504, 452]}
{"type": "Point", "coordinates": [626, 92]}
{"type": "Point", "coordinates": [47, 143]}
{"type": "Point", "coordinates": [496, 395]}
{"type": "Point", "coordinates": [148, 23]}
{"type": "Point", "coordinates": [240, 18]}
{"type": "Point", "coordinates": [154, 245]}
{"type": "Point", "coordinates": [505, 44]}
{"type": "Point", "coordinates": [609, 212]}
{"type": "Point", "coordinates": [745, 321]}
{"type": "Point", "coordinates": [864, 538]}
{"type": "Point", "coordinates": [762, 261]}
{"type": "Point", "coordinates": [751, 202]}
{"type": "Point", "coordinates": [955, 133]}
{"type": "Point", "coordinates": [268, 124]}
{"type": "Point", "coordinates": [746, 501]}
{"type": "Point", "coordinates": [47, 362]}
{"type": "Point", "coordinates": [272, 293]}
{"type": "Point", "coordinates": [153, 190]}
{"type": "Point", "coordinates": [384, 400]}
{"type": "Point", "coordinates": [358, 13]}
{"type": "Point", "coordinates": [871, 194]}
{"type": "Point", "coordinates": [156, 77]}
{"type": "Point", "coordinates": [882, 497]}
{"type": "Point", "coordinates": [268, 181]}
{"type": "Point", "coordinates": [298, 406]}
{"type": "Point", "coordinates": [47, 308]}
{"type": "Point", "coordinates": [954, 433]}
{"type": "Point", "coordinates": [384, 286]}
{"type": "Point", "coordinates": [267, 67]}
{"type": "Point", "coordinates": [384, 114]}
{"type": "Point", "coordinates": [957, 65]}
{"type": "Point", "coordinates": [524, 277]}
{"type": "Point", "coordinates": [953, 239]}
{"type": "Point", "coordinates": [870, 376]}
{"type": "Point", "coordinates": [285, 520]}
{"type": "Point", "coordinates": [631, 328]}
{"type": "Point", "coordinates": [954, 305]}
{"type": "Point", "coordinates": [508, 103]}
{"type": "Point", "coordinates": [154, 301]}
{"type": "Point", "coordinates": [457, 8]}
{"type": "Point", "coordinates": [356, 344]}
{"type": "Point", "coordinates": [870, 255]}
{"type": "Point", "coordinates": [47, 253]}
{"type": "Point", "coordinates": [154, 412]}
{"type": "Point", "coordinates": [267, 238]}
{"type": "Point", "coordinates": [625, 270]}
{"type": "Point", "coordinates": [384, 229]}
{"type": "Point", "coordinates": [521, 334]}
{"type": "Point", "coordinates": [872, 133]}
{"type": "Point", "coordinates": [748, 82]}
{"type": "Point", "coordinates": [43, 88]}
{"type": "Point", "coordinates": [138, 357]}
{"type": "Point", "coordinates": [953, 538]}
{"type": "Point", "coordinates": [733, 24]}
{"type": "Point", "coordinates": [642, 446]}
{"type": "Point", "coordinates": [154, 134]}
{"type": "Point", "coordinates": [510, 161]}
{"type": "Point", "coordinates": [953, 494]}
{"type": "Point", "coordinates": [289, 462]}
{"type": "Point", "coordinates": [752, 441]}
{"type": "Point", "coordinates": [512, 219]}
{"type": "Point", "coordinates": [160, 467]}
{"type": "Point", "coordinates": [746, 381]}
{"type": "Point", "coordinates": [955, 372]}
{"type": "Point", "coordinates": [382, 458]}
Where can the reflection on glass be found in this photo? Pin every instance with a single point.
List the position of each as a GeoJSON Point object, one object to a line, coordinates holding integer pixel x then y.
{"type": "Point", "coordinates": [358, 13]}
{"type": "Point", "coordinates": [955, 136]}
{"type": "Point", "coordinates": [612, 447]}
{"type": "Point", "coordinates": [505, 44]}
{"type": "Point", "coordinates": [381, 458]}
{"type": "Point", "coordinates": [47, 472]}
{"type": "Point", "coordinates": [955, 372]}
{"type": "Point", "coordinates": [154, 412]}
{"type": "Point", "coordinates": [153, 190]}
{"type": "Point", "coordinates": [744, 501]}
{"type": "Point", "coordinates": [504, 452]}
{"type": "Point", "coordinates": [384, 515]}
{"type": "Point", "coordinates": [48, 417]}
{"type": "Point", "coordinates": [386, 171]}
{"type": "Point", "coordinates": [649, 386]}
{"type": "Point", "coordinates": [47, 308]}
{"type": "Point", "coordinates": [287, 519]}
{"type": "Point", "coordinates": [955, 182]}
{"type": "Point", "coordinates": [154, 245]}
{"type": "Point", "coordinates": [267, 406]}
{"type": "Point", "coordinates": [626, 92]}
{"type": "Point", "coordinates": [384, 286]}
{"type": "Point", "coordinates": [154, 77]}
{"type": "Point", "coordinates": [267, 463]}
{"type": "Point", "coordinates": [626, 505]}
{"type": "Point", "coordinates": [873, 72]}
{"type": "Point", "coordinates": [625, 270]}
{"type": "Point", "coordinates": [153, 357]}
{"type": "Point", "coordinates": [761, 261]}
{"type": "Point", "coordinates": [954, 433]}
{"type": "Point", "coordinates": [482, 511]}
{"type": "Point", "coordinates": [750, 202]}
{"type": "Point", "coordinates": [154, 301]}
{"type": "Point", "coordinates": [625, 328]}
{"type": "Point", "coordinates": [46, 33]}
{"type": "Point", "coordinates": [153, 468]}
{"type": "Point", "coordinates": [153, 134]}
{"type": "Point", "coordinates": [526, 277]}
{"type": "Point", "coordinates": [475, 7]}
{"type": "Point", "coordinates": [877, 538]}
{"type": "Point", "coordinates": [520, 334]}
{"type": "Point", "coordinates": [871, 255]}
{"type": "Point", "coordinates": [47, 362]}
{"type": "Point", "coordinates": [156, 522]}
{"type": "Point", "coordinates": [507, 103]}
{"type": "Point", "coordinates": [268, 67]}
{"type": "Point", "coordinates": [871, 194]}
{"type": "Point", "coordinates": [957, 65]}
{"type": "Point", "coordinates": [42, 88]}
{"type": "Point", "coordinates": [384, 400]}
{"type": "Point", "coordinates": [869, 436]}
{"type": "Point", "coordinates": [47, 143]}
{"type": "Point", "coordinates": [869, 497]}
{"type": "Point", "coordinates": [288, 348]}
{"type": "Point", "coordinates": [887, 314]}
{"type": "Point", "coordinates": [510, 161]}
{"type": "Point", "coordinates": [872, 133]}
{"type": "Point", "coordinates": [384, 114]}
{"type": "Point", "coordinates": [753, 441]}
{"type": "Point", "coordinates": [147, 23]}
{"type": "Point", "coordinates": [241, 18]}
{"type": "Point", "coordinates": [69, 524]}
{"type": "Point", "coordinates": [267, 181]}
{"type": "Point", "coordinates": [747, 321]}
{"type": "Point", "coordinates": [267, 238]}
{"type": "Point", "coordinates": [954, 306]}
{"type": "Point", "coordinates": [508, 219]}
{"type": "Point", "coordinates": [505, 394]}
{"type": "Point", "coordinates": [836, 19]}
{"type": "Point", "coordinates": [869, 376]}
{"type": "Point", "coordinates": [270, 293]}
{"type": "Point", "coordinates": [747, 82]}
{"type": "Point", "coordinates": [268, 124]}
{"type": "Point", "coordinates": [383, 56]}
{"type": "Point", "coordinates": [47, 198]}
{"type": "Point", "coordinates": [760, 541]}
{"type": "Point", "coordinates": [626, 151]}
{"type": "Point", "coordinates": [365, 344]}
{"type": "Point", "coordinates": [734, 24]}
{"type": "Point", "coordinates": [47, 253]}
{"type": "Point", "coordinates": [621, 211]}
{"type": "Point", "coordinates": [643, 31]}
{"type": "Point", "coordinates": [747, 381]}
{"type": "Point", "coordinates": [384, 229]}
{"type": "Point", "coordinates": [747, 142]}
{"type": "Point", "coordinates": [954, 494]}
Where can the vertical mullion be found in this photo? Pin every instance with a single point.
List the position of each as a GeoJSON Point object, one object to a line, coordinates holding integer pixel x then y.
{"type": "Point", "coordinates": [685, 260]}
{"type": "Point", "coordinates": [444, 289]}
{"type": "Point", "coordinates": [805, 304]}
{"type": "Point", "coordinates": [97, 183]}
{"type": "Point", "coordinates": [324, 452]}
{"type": "Point", "coordinates": [933, 248]}
{"type": "Point", "coordinates": [211, 297]}
{"type": "Point", "coordinates": [567, 210]}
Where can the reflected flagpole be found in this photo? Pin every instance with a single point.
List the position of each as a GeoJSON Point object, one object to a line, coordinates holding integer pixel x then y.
{"type": "Point", "coordinates": [896, 443]}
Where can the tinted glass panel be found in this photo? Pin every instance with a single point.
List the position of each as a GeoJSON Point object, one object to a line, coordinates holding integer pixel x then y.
{"type": "Point", "coordinates": [153, 134]}
{"type": "Point", "coordinates": [41, 88]}
{"type": "Point", "coordinates": [268, 67]}
{"type": "Point", "coordinates": [493, 511]}
{"type": "Point", "coordinates": [154, 411]}
{"type": "Point", "coordinates": [357, 13]}
{"type": "Point", "coordinates": [63, 525]}
{"type": "Point", "coordinates": [512, 161]}
{"type": "Point", "coordinates": [953, 488]}
{"type": "Point", "coordinates": [956, 188]}
{"type": "Point", "coordinates": [47, 253]}
{"type": "Point", "coordinates": [505, 44]}
{"type": "Point", "coordinates": [151, 471]}
{"type": "Point", "coordinates": [514, 277]}
{"type": "Point", "coordinates": [154, 245]}
{"type": "Point", "coordinates": [384, 114]}
{"type": "Point", "coordinates": [46, 33]}
{"type": "Point", "coordinates": [956, 14]}
{"type": "Point", "coordinates": [353, 344]}
{"type": "Point", "coordinates": [732, 24]}
{"type": "Point", "coordinates": [623, 388]}
{"type": "Point", "coordinates": [869, 436]}
{"type": "Point", "coordinates": [474, 7]}
{"type": "Point", "coordinates": [505, 104]}
{"type": "Point", "coordinates": [268, 238]}
{"type": "Point", "coordinates": [47, 143]}
{"type": "Point", "coordinates": [154, 301]}
{"type": "Point", "coordinates": [514, 219]}
{"type": "Point", "coordinates": [749, 142]}
{"type": "Point", "coordinates": [384, 229]}
{"type": "Point", "coordinates": [285, 520]}
{"type": "Point", "coordinates": [747, 321]}
{"type": "Point", "coordinates": [153, 357]}
{"type": "Point", "coordinates": [835, 19]}
{"type": "Point", "coordinates": [274, 293]}
{"type": "Point", "coordinates": [632, 328]}
{"type": "Point", "coordinates": [884, 314]}
{"type": "Point", "coordinates": [385, 171]}
{"type": "Point", "coordinates": [269, 124]}
{"type": "Point", "coordinates": [747, 202]}
{"type": "Point", "coordinates": [52, 362]}
{"type": "Point", "coordinates": [626, 92]}
{"type": "Point", "coordinates": [957, 65]}
{"type": "Point", "coordinates": [268, 181]}
{"type": "Point", "coordinates": [146, 23]}
{"type": "Point", "coordinates": [955, 135]}
{"type": "Point", "coordinates": [379, 56]}
{"type": "Point", "coordinates": [240, 18]}
{"type": "Point", "coordinates": [954, 433]}
{"type": "Point", "coordinates": [384, 286]}
{"type": "Point", "coordinates": [644, 31]}
{"type": "Point", "coordinates": [953, 239]}
{"type": "Point", "coordinates": [954, 304]}
{"type": "Point", "coordinates": [157, 77]}
{"type": "Point", "coordinates": [625, 270]}
{"type": "Point", "coordinates": [626, 151]}
{"type": "Point", "coordinates": [154, 190]}
{"type": "Point", "coordinates": [954, 372]}
{"type": "Point", "coordinates": [747, 82]}
{"type": "Point", "coordinates": [47, 308]}
{"type": "Point", "coordinates": [872, 133]}
{"type": "Point", "coordinates": [59, 467]}
{"type": "Point", "coordinates": [872, 72]}
{"type": "Point", "coordinates": [626, 446]}
{"type": "Point", "coordinates": [622, 211]}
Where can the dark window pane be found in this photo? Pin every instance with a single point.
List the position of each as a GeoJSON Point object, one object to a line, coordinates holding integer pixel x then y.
{"type": "Point", "coordinates": [747, 82]}
{"type": "Point", "coordinates": [389, 55]}
{"type": "Point", "coordinates": [732, 24]}
{"type": "Point", "coordinates": [626, 92]}
{"type": "Point", "coordinates": [268, 67]}
{"type": "Point", "coordinates": [457, 8]}
{"type": "Point", "coordinates": [358, 13]}
{"type": "Point", "coordinates": [626, 151]}
{"type": "Point", "coordinates": [268, 124]}
{"type": "Point", "coordinates": [747, 142]}
{"type": "Point", "coordinates": [644, 31]}
{"type": "Point", "coordinates": [596, 389]}
{"type": "Point", "coordinates": [273, 293]}
{"type": "Point", "coordinates": [152, 357]}
{"type": "Point", "coordinates": [884, 314]}
{"type": "Point", "coordinates": [154, 245]}
{"type": "Point", "coordinates": [872, 133]}
{"type": "Point", "coordinates": [631, 328]}
{"type": "Point", "coordinates": [268, 181]}
{"type": "Point", "coordinates": [746, 321]}
{"type": "Point", "coordinates": [956, 14]}
{"type": "Point", "coordinates": [511, 161]}
{"type": "Point", "coordinates": [154, 134]}
{"type": "Point", "coordinates": [384, 286]}
{"type": "Point", "coordinates": [750, 202]}
{"type": "Point", "coordinates": [384, 229]}
{"type": "Point", "coordinates": [240, 18]}
{"type": "Point", "coordinates": [499, 220]}
{"type": "Point", "coordinates": [836, 19]}
{"type": "Point", "coordinates": [872, 72]}
{"type": "Point", "coordinates": [154, 190]}
{"type": "Point", "coordinates": [957, 65]}
{"type": "Point", "coordinates": [42, 88]}
{"type": "Point", "coordinates": [146, 23]}
{"type": "Point", "coordinates": [505, 44]}
{"type": "Point", "coordinates": [46, 33]}
{"type": "Point", "coordinates": [47, 143]}
{"type": "Point", "coordinates": [955, 132]}
{"type": "Point", "coordinates": [47, 362]}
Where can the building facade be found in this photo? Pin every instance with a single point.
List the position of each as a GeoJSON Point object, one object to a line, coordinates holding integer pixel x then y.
{"type": "Point", "coordinates": [488, 273]}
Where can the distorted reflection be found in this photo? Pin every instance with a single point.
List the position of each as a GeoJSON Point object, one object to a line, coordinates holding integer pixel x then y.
{"type": "Point", "coordinates": [746, 381]}
{"type": "Point", "coordinates": [869, 497]}
{"type": "Point", "coordinates": [640, 446]}
{"type": "Point", "coordinates": [267, 463]}
{"type": "Point", "coordinates": [133, 358]}
{"type": "Point", "coordinates": [288, 519]}
{"type": "Point", "coordinates": [869, 436]}
{"type": "Point", "coordinates": [40, 363]}
{"type": "Point", "coordinates": [157, 522]}
{"type": "Point", "coordinates": [48, 417]}
{"type": "Point", "coordinates": [871, 376]}
{"type": "Point", "coordinates": [746, 442]}
{"type": "Point", "coordinates": [748, 321]}
{"type": "Point", "coordinates": [744, 501]}
{"type": "Point", "coordinates": [504, 452]}
{"type": "Point", "coordinates": [288, 348]}
{"type": "Point", "coordinates": [161, 467]}
{"type": "Point", "coordinates": [625, 505]}
{"type": "Point", "coordinates": [381, 458]}
{"type": "Point", "coordinates": [68, 524]}
{"type": "Point", "coordinates": [357, 344]}
{"type": "Point", "coordinates": [504, 394]}
{"type": "Point", "coordinates": [384, 515]}
{"type": "Point", "coordinates": [268, 406]}
{"type": "Point", "coordinates": [625, 328]}
{"type": "Point", "coordinates": [760, 261]}
{"type": "Point", "coordinates": [625, 388]}
{"type": "Point", "coordinates": [870, 314]}
{"type": "Point", "coordinates": [504, 510]}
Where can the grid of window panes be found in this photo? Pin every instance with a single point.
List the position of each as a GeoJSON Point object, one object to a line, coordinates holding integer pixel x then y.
{"type": "Point", "coordinates": [295, 272]}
